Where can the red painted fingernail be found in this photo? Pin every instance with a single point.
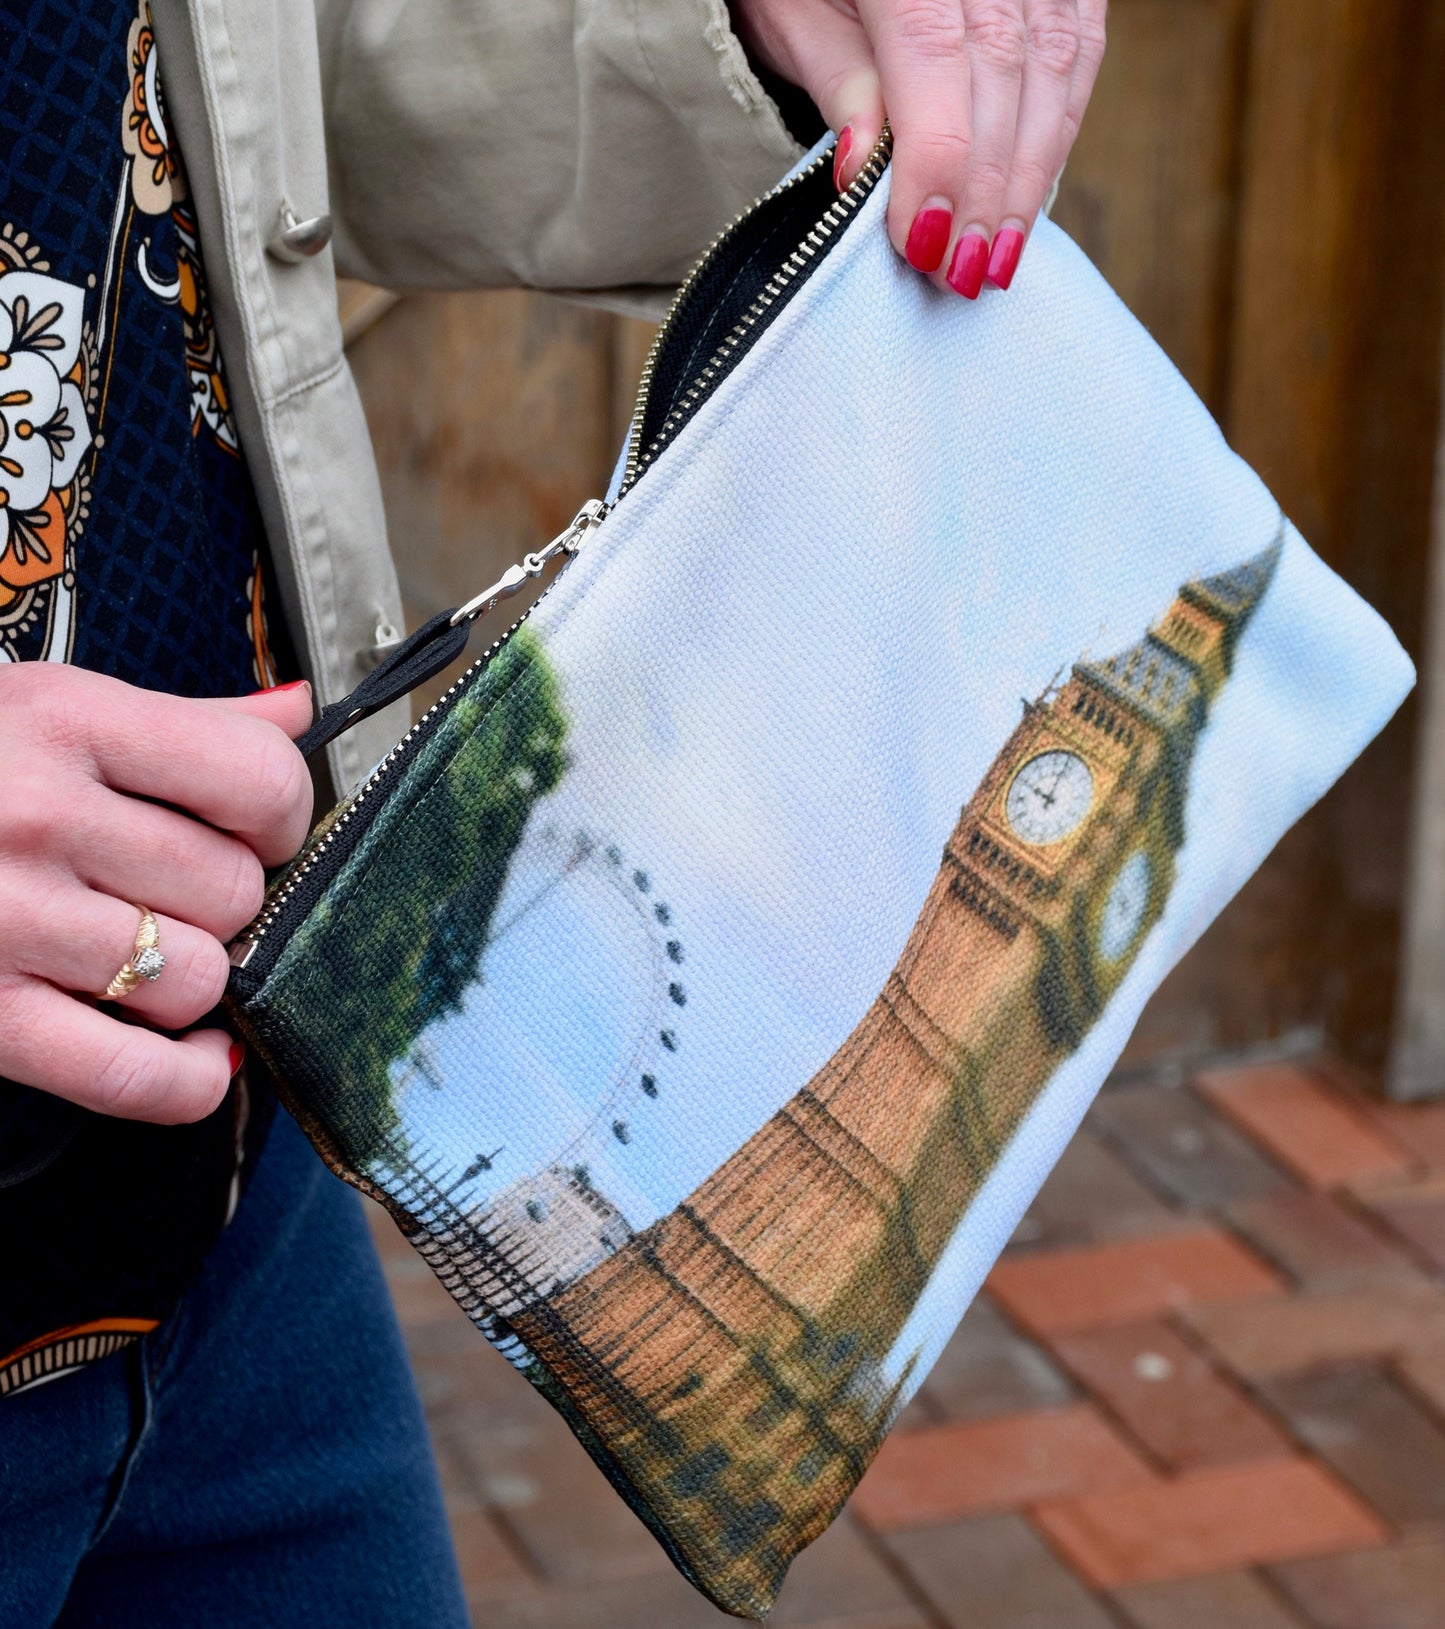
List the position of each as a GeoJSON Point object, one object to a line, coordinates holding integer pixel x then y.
{"type": "Point", "coordinates": [276, 689]}
{"type": "Point", "coordinates": [236, 1057]}
{"type": "Point", "coordinates": [1003, 260]}
{"type": "Point", "coordinates": [970, 263]}
{"type": "Point", "coordinates": [841, 150]}
{"type": "Point", "coordinates": [928, 238]}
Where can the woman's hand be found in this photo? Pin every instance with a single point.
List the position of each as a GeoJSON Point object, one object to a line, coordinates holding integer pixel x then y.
{"type": "Point", "coordinates": [89, 767]}
{"type": "Point", "coordinates": [984, 97]}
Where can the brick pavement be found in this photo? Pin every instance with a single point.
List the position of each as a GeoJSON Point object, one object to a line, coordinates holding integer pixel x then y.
{"type": "Point", "coordinates": [1204, 1389]}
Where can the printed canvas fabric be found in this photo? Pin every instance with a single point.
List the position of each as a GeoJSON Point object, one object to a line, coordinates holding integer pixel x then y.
{"type": "Point", "coordinates": [724, 977]}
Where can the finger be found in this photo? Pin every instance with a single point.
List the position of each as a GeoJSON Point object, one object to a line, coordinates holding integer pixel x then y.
{"type": "Point", "coordinates": [922, 56]}
{"type": "Point", "coordinates": [78, 940]}
{"type": "Point", "coordinates": [236, 771]}
{"type": "Point", "coordinates": [828, 53]}
{"type": "Point", "coordinates": [1092, 40]}
{"type": "Point", "coordinates": [995, 31]}
{"type": "Point", "coordinates": [60, 1045]}
{"type": "Point", "coordinates": [860, 127]}
{"type": "Point", "coordinates": [131, 849]}
{"type": "Point", "coordinates": [290, 707]}
{"type": "Point", "coordinates": [1040, 142]}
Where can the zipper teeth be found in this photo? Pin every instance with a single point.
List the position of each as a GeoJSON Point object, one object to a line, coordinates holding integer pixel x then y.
{"type": "Point", "coordinates": [258, 929]}
{"type": "Point", "coordinates": [846, 204]}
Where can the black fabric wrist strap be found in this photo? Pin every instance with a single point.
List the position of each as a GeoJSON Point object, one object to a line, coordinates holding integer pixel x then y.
{"type": "Point", "coordinates": [435, 645]}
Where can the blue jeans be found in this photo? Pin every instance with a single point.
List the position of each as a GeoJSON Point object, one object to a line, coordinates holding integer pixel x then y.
{"type": "Point", "coordinates": [260, 1459]}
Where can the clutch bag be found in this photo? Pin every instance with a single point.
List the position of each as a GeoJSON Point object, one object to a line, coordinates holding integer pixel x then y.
{"type": "Point", "coordinates": [710, 979]}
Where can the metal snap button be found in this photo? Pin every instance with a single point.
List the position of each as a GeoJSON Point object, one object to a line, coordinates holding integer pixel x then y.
{"type": "Point", "coordinates": [296, 240]}
{"type": "Point", "coordinates": [388, 638]}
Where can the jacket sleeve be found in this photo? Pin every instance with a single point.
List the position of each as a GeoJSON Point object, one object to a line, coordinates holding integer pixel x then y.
{"type": "Point", "coordinates": [573, 144]}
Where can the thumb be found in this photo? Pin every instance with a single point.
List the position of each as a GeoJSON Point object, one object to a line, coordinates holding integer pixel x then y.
{"type": "Point", "coordinates": [856, 100]}
{"type": "Point", "coordinates": [288, 706]}
{"type": "Point", "coordinates": [828, 53]}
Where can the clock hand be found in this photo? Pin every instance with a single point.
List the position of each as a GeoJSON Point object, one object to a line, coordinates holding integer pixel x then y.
{"type": "Point", "coordinates": [1037, 792]}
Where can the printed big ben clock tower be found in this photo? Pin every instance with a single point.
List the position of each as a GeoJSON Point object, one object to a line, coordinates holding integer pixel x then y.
{"type": "Point", "coordinates": [745, 1333]}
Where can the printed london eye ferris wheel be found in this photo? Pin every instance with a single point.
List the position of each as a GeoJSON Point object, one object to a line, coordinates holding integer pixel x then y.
{"type": "Point", "coordinates": [581, 991]}
{"type": "Point", "coordinates": [623, 970]}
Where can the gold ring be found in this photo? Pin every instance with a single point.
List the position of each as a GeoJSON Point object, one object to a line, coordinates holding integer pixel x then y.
{"type": "Point", "coordinates": [145, 963]}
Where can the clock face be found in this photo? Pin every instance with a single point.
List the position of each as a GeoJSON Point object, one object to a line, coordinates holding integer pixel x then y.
{"type": "Point", "coordinates": [1125, 907]}
{"type": "Point", "coordinates": [1049, 797]}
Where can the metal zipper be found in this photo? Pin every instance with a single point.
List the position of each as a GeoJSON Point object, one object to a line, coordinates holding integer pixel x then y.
{"type": "Point", "coordinates": [586, 521]}
{"type": "Point", "coordinates": [243, 947]}
{"type": "Point", "coordinates": [592, 514]}
{"type": "Point", "coordinates": [837, 214]}
{"type": "Point", "coordinates": [569, 541]}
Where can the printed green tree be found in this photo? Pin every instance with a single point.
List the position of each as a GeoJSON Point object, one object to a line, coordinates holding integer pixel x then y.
{"type": "Point", "coordinates": [419, 921]}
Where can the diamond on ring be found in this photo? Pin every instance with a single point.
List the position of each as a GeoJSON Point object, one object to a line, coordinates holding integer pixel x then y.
{"type": "Point", "coordinates": [145, 964]}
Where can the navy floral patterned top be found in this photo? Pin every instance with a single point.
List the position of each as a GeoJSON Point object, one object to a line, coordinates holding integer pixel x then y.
{"type": "Point", "coordinates": [131, 544]}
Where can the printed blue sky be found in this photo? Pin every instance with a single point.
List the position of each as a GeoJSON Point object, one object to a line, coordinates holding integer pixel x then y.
{"type": "Point", "coordinates": [786, 782]}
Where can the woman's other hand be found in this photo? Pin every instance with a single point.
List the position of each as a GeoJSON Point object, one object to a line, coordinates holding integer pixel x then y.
{"type": "Point", "coordinates": [984, 97]}
{"type": "Point", "coordinates": [110, 795]}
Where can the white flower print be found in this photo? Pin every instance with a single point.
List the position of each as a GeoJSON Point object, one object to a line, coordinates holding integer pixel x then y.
{"type": "Point", "coordinates": [44, 432]}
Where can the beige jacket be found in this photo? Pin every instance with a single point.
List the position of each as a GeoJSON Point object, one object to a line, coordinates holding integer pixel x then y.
{"type": "Point", "coordinates": [570, 144]}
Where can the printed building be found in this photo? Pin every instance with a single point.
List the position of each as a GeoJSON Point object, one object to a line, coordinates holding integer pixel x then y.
{"type": "Point", "coordinates": [553, 1226]}
{"type": "Point", "coordinates": [732, 1352]}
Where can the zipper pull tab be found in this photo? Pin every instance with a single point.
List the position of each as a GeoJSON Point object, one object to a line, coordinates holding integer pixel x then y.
{"type": "Point", "coordinates": [587, 519]}
{"type": "Point", "coordinates": [438, 643]}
